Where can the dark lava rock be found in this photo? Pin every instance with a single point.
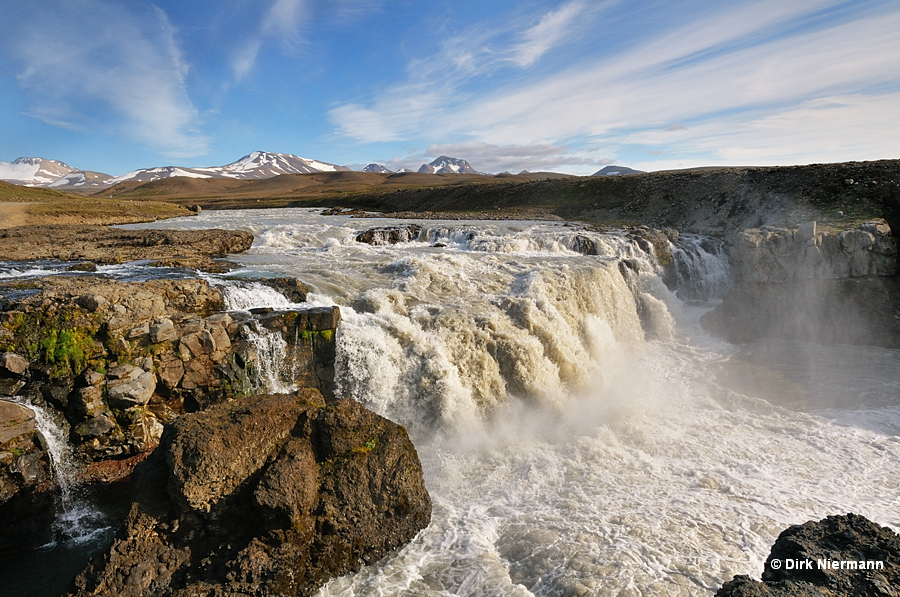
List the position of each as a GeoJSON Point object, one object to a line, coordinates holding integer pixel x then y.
{"type": "Point", "coordinates": [584, 245]}
{"type": "Point", "coordinates": [801, 552]}
{"type": "Point", "coordinates": [389, 235]}
{"type": "Point", "coordinates": [270, 495]}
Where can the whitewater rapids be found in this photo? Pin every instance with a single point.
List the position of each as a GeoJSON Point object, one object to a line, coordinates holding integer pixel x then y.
{"type": "Point", "coordinates": [580, 434]}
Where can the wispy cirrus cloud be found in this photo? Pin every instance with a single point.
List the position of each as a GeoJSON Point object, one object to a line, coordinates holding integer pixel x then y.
{"type": "Point", "coordinates": [279, 22]}
{"type": "Point", "coordinates": [96, 65]}
{"type": "Point", "coordinates": [726, 69]}
{"type": "Point", "coordinates": [552, 28]}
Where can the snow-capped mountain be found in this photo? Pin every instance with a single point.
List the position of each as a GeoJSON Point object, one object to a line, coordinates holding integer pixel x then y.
{"type": "Point", "coordinates": [81, 179]}
{"type": "Point", "coordinates": [34, 172]}
{"type": "Point", "coordinates": [378, 168]}
{"type": "Point", "coordinates": [259, 164]}
{"type": "Point", "coordinates": [447, 165]}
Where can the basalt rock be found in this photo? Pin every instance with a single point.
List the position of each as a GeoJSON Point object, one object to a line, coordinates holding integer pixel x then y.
{"type": "Point", "coordinates": [268, 495]}
{"type": "Point", "coordinates": [836, 556]}
{"type": "Point", "coordinates": [389, 235]}
{"type": "Point", "coordinates": [292, 288]}
{"type": "Point", "coordinates": [777, 255]}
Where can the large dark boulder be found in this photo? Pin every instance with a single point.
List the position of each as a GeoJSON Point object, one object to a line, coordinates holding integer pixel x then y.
{"type": "Point", "coordinates": [269, 495]}
{"type": "Point", "coordinates": [839, 555]}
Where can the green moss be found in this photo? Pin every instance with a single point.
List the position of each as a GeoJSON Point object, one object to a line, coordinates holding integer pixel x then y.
{"type": "Point", "coordinates": [68, 349]}
{"type": "Point", "coordinates": [367, 447]}
{"type": "Point", "coordinates": [310, 335]}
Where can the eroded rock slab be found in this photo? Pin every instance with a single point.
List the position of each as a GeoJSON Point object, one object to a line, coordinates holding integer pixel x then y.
{"type": "Point", "coordinates": [390, 235]}
{"type": "Point", "coordinates": [98, 244]}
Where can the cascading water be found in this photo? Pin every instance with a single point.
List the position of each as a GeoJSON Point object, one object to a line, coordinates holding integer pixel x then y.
{"type": "Point", "coordinates": [579, 434]}
{"type": "Point", "coordinates": [701, 268]}
{"type": "Point", "coordinates": [272, 365]}
{"type": "Point", "coordinates": [77, 521]}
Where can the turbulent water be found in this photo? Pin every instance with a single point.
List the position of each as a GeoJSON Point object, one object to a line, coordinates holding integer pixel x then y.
{"type": "Point", "coordinates": [580, 435]}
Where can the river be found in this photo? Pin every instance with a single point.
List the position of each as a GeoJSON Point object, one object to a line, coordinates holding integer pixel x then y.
{"type": "Point", "coordinates": [580, 433]}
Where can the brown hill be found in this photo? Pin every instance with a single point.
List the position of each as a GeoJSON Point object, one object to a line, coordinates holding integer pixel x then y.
{"type": "Point", "coordinates": [20, 205]}
{"type": "Point", "coordinates": [320, 188]}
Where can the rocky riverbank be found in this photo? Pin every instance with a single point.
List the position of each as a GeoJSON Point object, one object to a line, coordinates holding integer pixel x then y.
{"type": "Point", "coordinates": [99, 245]}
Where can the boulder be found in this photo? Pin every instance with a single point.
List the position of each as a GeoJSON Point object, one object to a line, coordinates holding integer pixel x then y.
{"type": "Point", "coordinates": [134, 388]}
{"type": "Point", "coordinates": [292, 288]}
{"type": "Point", "coordinates": [584, 245]}
{"type": "Point", "coordinates": [92, 302]}
{"type": "Point", "coordinates": [838, 555]}
{"type": "Point", "coordinates": [162, 331]}
{"type": "Point", "coordinates": [269, 495]}
{"type": "Point", "coordinates": [10, 386]}
{"type": "Point", "coordinates": [14, 364]}
{"type": "Point", "coordinates": [138, 332]}
{"type": "Point", "coordinates": [97, 426]}
{"type": "Point", "coordinates": [15, 421]}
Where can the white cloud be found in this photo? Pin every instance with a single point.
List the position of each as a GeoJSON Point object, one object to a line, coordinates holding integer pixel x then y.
{"type": "Point", "coordinates": [551, 29]}
{"type": "Point", "coordinates": [829, 129]}
{"type": "Point", "coordinates": [281, 21]}
{"type": "Point", "coordinates": [514, 158]}
{"type": "Point", "coordinates": [727, 69]}
{"type": "Point", "coordinates": [114, 59]}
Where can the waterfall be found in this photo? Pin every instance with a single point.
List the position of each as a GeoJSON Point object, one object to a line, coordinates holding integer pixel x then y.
{"type": "Point", "coordinates": [243, 296]}
{"type": "Point", "coordinates": [701, 268]}
{"type": "Point", "coordinates": [59, 451]}
{"type": "Point", "coordinates": [77, 521]}
{"type": "Point", "coordinates": [272, 365]}
{"type": "Point", "coordinates": [270, 348]}
{"type": "Point", "coordinates": [537, 334]}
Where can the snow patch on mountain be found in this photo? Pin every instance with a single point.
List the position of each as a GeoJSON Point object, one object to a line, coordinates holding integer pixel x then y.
{"type": "Point", "coordinates": [81, 179]}
{"type": "Point", "coordinates": [33, 171]}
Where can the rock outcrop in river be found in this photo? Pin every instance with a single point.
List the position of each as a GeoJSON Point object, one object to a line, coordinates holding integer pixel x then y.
{"type": "Point", "coordinates": [269, 495]}
{"type": "Point", "coordinates": [837, 556]}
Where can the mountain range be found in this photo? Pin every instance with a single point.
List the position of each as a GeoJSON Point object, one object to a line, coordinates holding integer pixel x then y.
{"type": "Point", "coordinates": [39, 172]}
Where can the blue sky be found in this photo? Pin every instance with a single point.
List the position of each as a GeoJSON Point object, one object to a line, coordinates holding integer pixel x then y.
{"type": "Point", "coordinates": [567, 86]}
